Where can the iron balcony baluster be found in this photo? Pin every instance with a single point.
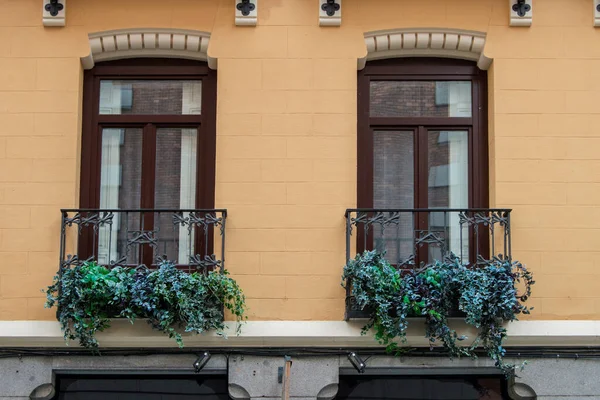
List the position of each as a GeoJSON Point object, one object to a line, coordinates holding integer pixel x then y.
{"type": "Point", "coordinates": [476, 236]}
{"type": "Point", "coordinates": [136, 237]}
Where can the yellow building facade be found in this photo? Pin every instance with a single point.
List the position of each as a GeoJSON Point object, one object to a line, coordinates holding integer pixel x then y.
{"type": "Point", "coordinates": [286, 151]}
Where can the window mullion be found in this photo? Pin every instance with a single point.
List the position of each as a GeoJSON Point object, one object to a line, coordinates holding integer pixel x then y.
{"type": "Point", "coordinates": [147, 189]}
{"type": "Point", "coordinates": [148, 166]}
{"type": "Point", "coordinates": [421, 158]}
{"type": "Point", "coordinates": [421, 220]}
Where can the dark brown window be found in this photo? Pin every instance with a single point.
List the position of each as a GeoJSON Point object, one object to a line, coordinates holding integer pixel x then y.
{"type": "Point", "coordinates": [148, 135]}
{"type": "Point", "coordinates": [148, 140]}
{"type": "Point", "coordinates": [422, 144]}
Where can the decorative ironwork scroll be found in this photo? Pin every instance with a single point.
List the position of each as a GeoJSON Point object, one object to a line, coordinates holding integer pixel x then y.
{"type": "Point", "coordinates": [131, 238]}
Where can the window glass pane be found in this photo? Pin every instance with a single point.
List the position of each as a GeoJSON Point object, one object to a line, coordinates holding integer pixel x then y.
{"type": "Point", "coordinates": [175, 188]}
{"type": "Point", "coordinates": [420, 99]}
{"type": "Point", "coordinates": [143, 97]}
{"type": "Point", "coordinates": [448, 187]}
{"type": "Point", "coordinates": [120, 188]}
{"type": "Point", "coordinates": [393, 187]}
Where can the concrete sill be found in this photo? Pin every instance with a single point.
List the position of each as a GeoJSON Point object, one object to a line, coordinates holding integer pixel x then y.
{"type": "Point", "coordinates": [123, 334]}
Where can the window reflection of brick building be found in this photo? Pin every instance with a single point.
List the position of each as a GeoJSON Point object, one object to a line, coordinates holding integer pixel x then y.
{"type": "Point", "coordinates": [393, 187]}
{"type": "Point", "coordinates": [394, 157]}
{"type": "Point", "coordinates": [144, 98]}
{"type": "Point", "coordinates": [408, 99]}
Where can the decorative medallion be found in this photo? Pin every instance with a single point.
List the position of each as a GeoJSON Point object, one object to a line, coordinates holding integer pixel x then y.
{"type": "Point", "coordinates": [330, 12]}
{"type": "Point", "coordinates": [53, 13]}
{"type": "Point", "coordinates": [246, 12]}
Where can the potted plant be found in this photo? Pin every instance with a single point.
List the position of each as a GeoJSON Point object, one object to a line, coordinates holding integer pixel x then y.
{"type": "Point", "coordinates": [88, 296]}
{"type": "Point", "coordinates": [486, 295]}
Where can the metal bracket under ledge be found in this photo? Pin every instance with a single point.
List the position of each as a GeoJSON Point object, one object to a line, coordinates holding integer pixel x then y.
{"type": "Point", "coordinates": [330, 12]}
{"type": "Point", "coordinates": [246, 12]}
{"type": "Point", "coordinates": [521, 12]}
{"type": "Point", "coordinates": [54, 12]}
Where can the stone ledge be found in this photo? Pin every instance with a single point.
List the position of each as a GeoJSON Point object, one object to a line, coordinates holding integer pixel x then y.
{"type": "Point", "coordinates": [122, 334]}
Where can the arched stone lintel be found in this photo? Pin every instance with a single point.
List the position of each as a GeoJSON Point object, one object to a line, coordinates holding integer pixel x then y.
{"type": "Point", "coordinates": [446, 43]}
{"type": "Point", "coordinates": [147, 43]}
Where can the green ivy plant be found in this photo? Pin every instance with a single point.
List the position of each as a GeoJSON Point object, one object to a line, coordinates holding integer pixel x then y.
{"type": "Point", "coordinates": [89, 295]}
{"type": "Point", "coordinates": [488, 296]}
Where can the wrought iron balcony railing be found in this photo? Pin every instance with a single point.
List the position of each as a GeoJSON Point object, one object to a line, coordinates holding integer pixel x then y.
{"type": "Point", "coordinates": [189, 238]}
{"type": "Point", "coordinates": [414, 237]}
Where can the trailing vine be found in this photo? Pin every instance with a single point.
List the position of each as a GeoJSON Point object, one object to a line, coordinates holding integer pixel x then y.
{"type": "Point", "coordinates": [88, 296]}
{"type": "Point", "coordinates": [488, 296]}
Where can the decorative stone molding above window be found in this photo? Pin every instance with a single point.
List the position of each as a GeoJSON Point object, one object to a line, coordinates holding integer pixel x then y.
{"type": "Point", "coordinates": [159, 43]}
{"type": "Point", "coordinates": [246, 12]}
{"type": "Point", "coordinates": [596, 12]}
{"type": "Point", "coordinates": [521, 12]}
{"type": "Point", "coordinates": [54, 12]}
{"type": "Point", "coordinates": [445, 43]}
{"type": "Point", "coordinates": [330, 12]}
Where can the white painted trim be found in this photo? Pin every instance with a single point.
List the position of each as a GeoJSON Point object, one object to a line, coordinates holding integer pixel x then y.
{"type": "Point", "coordinates": [515, 20]}
{"type": "Point", "coordinates": [58, 20]}
{"type": "Point", "coordinates": [246, 20]}
{"type": "Point", "coordinates": [161, 43]}
{"type": "Point", "coordinates": [447, 43]}
{"type": "Point", "coordinates": [326, 20]}
{"type": "Point", "coordinates": [295, 334]}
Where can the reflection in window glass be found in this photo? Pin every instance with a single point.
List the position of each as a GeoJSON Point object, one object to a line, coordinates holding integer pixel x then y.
{"type": "Point", "coordinates": [393, 187]}
{"type": "Point", "coordinates": [144, 97]}
{"type": "Point", "coordinates": [420, 99]}
{"type": "Point", "coordinates": [448, 187]}
{"type": "Point", "coordinates": [120, 188]}
{"type": "Point", "coordinates": [175, 188]}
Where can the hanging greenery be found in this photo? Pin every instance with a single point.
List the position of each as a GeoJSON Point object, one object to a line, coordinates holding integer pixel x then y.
{"type": "Point", "coordinates": [488, 296]}
{"type": "Point", "coordinates": [88, 296]}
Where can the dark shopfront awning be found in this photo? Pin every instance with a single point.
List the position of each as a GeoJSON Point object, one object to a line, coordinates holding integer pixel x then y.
{"type": "Point", "coordinates": [143, 387]}
{"type": "Point", "coordinates": [422, 388]}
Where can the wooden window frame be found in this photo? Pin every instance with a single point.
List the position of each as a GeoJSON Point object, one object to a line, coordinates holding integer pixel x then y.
{"type": "Point", "coordinates": [422, 69]}
{"type": "Point", "coordinates": [93, 122]}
